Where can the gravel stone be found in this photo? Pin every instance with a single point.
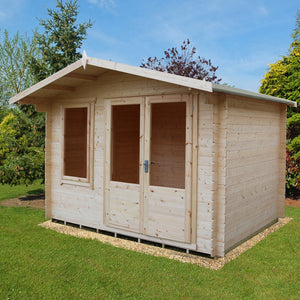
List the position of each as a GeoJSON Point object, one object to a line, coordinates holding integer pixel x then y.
{"type": "Point", "coordinates": [209, 263]}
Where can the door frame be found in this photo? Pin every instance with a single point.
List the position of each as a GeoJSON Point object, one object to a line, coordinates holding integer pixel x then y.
{"type": "Point", "coordinates": [145, 133]}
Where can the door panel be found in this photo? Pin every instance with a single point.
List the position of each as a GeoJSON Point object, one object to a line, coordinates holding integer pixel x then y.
{"type": "Point", "coordinates": [166, 217]}
{"type": "Point", "coordinates": [123, 208]}
{"type": "Point", "coordinates": [123, 162]}
{"type": "Point", "coordinates": [167, 185]}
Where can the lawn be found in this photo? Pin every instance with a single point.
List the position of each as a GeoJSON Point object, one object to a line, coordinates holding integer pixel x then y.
{"type": "Point", "coordinates": [36, 263]}
{"type": "Point", "coordinates": [8, 192]}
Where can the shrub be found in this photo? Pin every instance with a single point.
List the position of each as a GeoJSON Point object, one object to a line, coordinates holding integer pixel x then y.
{"type": "Point", "coordinates": [292, 175]}
{"type": "Point", "coordinates": [21, 150]}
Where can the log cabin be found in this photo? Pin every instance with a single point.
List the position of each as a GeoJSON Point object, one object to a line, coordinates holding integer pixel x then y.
{"type": "Point", "coordinates": [160, 157]}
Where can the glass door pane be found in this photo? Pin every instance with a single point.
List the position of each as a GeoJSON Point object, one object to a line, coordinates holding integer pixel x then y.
{"type": "Point", "coordinates": [167, 144]}
{"type": "Point", "coordinates": [125, 143]}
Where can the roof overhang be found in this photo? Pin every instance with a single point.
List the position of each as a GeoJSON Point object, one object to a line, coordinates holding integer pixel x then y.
{"type": "Point", "coordinates": [238, 92]}
{"type": "Point", "coordinates": [90, 69]}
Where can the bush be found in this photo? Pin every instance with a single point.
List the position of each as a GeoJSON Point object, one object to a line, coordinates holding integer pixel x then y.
{"type": "Point", "coordinates": [21, 149]}
{"type": "Point", "coordinates": [292, 175]}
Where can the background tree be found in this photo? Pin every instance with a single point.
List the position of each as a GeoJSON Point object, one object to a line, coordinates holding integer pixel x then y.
{"type": "Point", "coordinates": [15, 74]}
{"type": "Point", "coordinates": [283, 80]}
{"type": "Point", "coordinates": [21, 136]}
{"type": "Point", "coordinates": [183, 62]}
{"type": "Point", "coordinates": [22, 129]}
{"type": "Point", "coordinates": [60, 40]}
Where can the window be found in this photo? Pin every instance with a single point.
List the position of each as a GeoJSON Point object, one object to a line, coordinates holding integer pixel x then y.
{"type": "Point", "coordinates": [77, 140]}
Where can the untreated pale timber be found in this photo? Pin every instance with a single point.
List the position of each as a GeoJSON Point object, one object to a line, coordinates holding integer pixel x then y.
{"type": "Point", "coordinates": [82, 76]}
{"type": "Point", "coordinates": [60, 87]}
{"type": "Point", "coordinates": [194, 198]}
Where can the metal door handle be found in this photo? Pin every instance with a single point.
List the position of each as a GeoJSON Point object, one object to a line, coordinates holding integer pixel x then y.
{"type": "Point", "coordinates": [146, 166]}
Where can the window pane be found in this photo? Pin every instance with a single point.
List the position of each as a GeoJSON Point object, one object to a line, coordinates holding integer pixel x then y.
{"type": "Point", "coordinates": [125, 143]}
{"type": "Point", "coordinates": [75, 142]}
{"type": "Point", "coordinates": [167, 148]}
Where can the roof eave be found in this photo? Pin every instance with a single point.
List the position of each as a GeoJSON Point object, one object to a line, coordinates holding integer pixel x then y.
{"type": "Point", "coordinates": [152, 74]}
{"type": "Point", "coordinates": [239, 92]}
{"type": "Point", "coordinates": [74, 66]}
{"type": "Point", "coordinates": [113, 66]}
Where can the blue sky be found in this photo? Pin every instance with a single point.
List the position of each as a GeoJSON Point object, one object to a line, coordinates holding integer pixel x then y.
{"type": "Point", "coordinates": [239, 36]}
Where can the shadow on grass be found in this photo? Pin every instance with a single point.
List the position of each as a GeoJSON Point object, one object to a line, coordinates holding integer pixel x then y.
{"type": "Point", "coordinates": [36, 194]}
{"type": "Point", "coordinates": [32, 197]}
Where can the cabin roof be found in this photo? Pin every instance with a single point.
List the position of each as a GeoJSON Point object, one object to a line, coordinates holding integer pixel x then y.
{"type": "Point", "coordinates": [90, 69]}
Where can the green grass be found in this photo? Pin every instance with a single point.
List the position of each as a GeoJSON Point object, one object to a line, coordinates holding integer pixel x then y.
{"type": "Point", "coordinates": [8, 192]}
{"type": "Point", "coordinates": [36, 263]}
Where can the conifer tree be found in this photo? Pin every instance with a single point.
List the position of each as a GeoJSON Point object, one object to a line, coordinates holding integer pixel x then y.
{"type": "Point", "coordinates": [61, 39]}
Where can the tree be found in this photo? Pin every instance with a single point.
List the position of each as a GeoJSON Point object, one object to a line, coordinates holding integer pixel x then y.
{"type": "Point", "coordinates": [183, 62]}
{"type": "Point", "coordinates": [15, 74]}
{"type": "Point", "coordinates": [21, 141]}
{"type": "Point", "coordinates": [60, 40]}
{"type": "Point", "coordinates": [283, 80]}
{"type": "Point", "coordinates": [283, 77]}
{"type": "Point", "coordinates": [22, 129]}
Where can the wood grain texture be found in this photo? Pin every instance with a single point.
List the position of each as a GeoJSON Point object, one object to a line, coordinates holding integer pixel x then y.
{"type": "Point", "coordinates": [253, 152]}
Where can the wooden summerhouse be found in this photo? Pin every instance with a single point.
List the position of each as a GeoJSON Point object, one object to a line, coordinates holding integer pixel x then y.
{"type": "Point", "coordinates": [160, 157]}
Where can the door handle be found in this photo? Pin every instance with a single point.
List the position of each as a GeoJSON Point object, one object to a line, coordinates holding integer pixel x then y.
{"type": "Point", "coordinates": [146, 166]}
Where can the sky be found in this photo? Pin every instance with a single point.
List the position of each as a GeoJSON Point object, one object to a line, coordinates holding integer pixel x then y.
{"type": "Point", "coordinates": [240, 36]}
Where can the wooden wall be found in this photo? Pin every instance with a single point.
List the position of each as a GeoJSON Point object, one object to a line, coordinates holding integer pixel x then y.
{"type": "Point", "coordinates": [212, 112]}
{"type": "Point", "coordinates": [205, 184]}
{"type": "Point", "coordinates": [241, 163]}
{"type": "Point", "coordinates": [72, 202]}
{"type": "Point", "coordinates": [254, 153]}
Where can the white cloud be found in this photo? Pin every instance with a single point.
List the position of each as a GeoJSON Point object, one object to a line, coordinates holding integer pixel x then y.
{"type": "Point", "coordinates": [262, 10]}
{"type": "Point", "coordinates": [208, 20]}
{"type": "Point", "coordinates": [108, 4]}
{"type": "Point", "coordinates": [246, 71]}
{"type": "Point", "coordinates": [105, 39]}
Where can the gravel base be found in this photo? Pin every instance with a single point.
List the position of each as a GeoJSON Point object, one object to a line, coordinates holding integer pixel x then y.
{"type": "Point", "coordinates": [209, 263]}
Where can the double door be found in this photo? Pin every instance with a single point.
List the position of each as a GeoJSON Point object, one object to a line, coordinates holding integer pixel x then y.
{"type": "Point", "coordinates": [148, 165]}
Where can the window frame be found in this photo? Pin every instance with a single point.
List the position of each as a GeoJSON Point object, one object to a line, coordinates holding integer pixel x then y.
{"type": "Point", "coordinates": [73, 180]}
